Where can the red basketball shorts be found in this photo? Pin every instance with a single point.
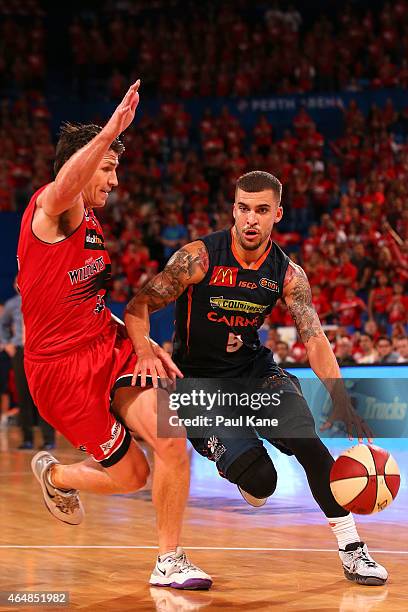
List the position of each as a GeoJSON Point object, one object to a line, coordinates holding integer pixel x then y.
{"type": "Point", "coordinates": [73, 393]}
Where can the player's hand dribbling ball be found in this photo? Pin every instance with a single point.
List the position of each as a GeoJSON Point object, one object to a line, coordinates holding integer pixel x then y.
{"type": "Point", "coordinates": [365, 479]}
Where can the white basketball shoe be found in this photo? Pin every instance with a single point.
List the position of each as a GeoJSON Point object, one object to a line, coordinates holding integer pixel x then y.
{"type": "Point", "coordinates": [360, 567]}
{"type": "Point", "coordinates": [175, 570]}
{"type": "Point", "coordinates": [64, 505]}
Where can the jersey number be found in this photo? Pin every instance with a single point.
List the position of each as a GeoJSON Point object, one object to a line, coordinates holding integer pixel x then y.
{"type": "Point", "coordinates": [234, 343]}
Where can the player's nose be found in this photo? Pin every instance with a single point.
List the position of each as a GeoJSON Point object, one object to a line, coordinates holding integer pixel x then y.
{"type": "Point", "coordinates": [251, 218]}
{"type": "Point", "coordinates": [113, 180]}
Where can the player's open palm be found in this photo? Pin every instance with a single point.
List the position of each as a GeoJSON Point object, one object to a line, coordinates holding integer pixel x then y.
{"type": "Point", "coordinates": [156, 364]}
{"type": "Point", "coordinates": [172, 370]}
{"type": "Point", "coordinates": [125, 111]}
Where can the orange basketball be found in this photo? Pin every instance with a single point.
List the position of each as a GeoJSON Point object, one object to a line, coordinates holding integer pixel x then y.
{"type": "Point", "coordinates": [365, 479]}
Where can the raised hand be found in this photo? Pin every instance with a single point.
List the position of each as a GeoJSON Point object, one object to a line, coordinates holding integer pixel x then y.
{"type": "Point", "coordinates": [124, 113]}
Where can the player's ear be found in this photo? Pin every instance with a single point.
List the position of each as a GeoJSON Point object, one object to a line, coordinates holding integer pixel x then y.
{"type": "Point", "coordinates": [233, 211]}
{"type": "Point", "coordinates": [279, 214]}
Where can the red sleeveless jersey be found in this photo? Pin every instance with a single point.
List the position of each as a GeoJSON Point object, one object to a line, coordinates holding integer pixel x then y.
{"type": "Point", "coordinates": [62, 287]}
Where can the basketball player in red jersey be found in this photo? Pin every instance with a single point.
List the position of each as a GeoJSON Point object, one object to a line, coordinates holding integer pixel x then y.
{"type": "Point", "coordinates": [224, 285]}
{"type": "Point", "coordinates": [77, 357]}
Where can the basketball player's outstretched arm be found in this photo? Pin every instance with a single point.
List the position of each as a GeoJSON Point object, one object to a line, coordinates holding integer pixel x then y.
{"type": "Point", "coordinates": [65, 192]}
{"type": "Point", "coordinates": [188, 266]}
{"type": "Point", "coordinates": [298, 298]}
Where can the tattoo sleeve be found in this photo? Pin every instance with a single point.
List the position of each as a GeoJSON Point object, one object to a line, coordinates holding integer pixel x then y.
{"type": "Point", "coordinates": [184, 268]}
{"type": "Point", "coordinates": [298, 298]}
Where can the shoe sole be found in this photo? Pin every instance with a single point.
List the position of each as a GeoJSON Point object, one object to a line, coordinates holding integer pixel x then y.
{"type": "Point", "coordinates": [256, 503]}
{"type": "Point", "coordinates": [33, 462]}
{"type": "Point", "coordinates": [365, 580]}
{"type": "Point", "coordinates": [193, 584]}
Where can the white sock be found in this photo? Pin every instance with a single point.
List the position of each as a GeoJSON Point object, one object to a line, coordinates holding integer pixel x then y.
{"type": "Point", "coordinates": [344, 528]}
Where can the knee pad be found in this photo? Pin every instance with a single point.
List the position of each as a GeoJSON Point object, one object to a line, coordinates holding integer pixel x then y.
{"type": "Point", "coordinates": [254, 472]}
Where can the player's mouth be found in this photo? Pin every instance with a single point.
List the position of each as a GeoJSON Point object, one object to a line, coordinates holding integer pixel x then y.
{"type": "Point", "coordinates": [251, 234]}
{"type": "Point", "coordinates": [105, 192]}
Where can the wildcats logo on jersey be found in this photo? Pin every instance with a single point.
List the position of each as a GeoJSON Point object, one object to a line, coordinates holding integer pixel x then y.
{"type": "Point", "coordinates": [93, 240]}
{"type": "Point", "coordinates": [91, 267]}
{"type": "Point", "coordinates": [224, 276]}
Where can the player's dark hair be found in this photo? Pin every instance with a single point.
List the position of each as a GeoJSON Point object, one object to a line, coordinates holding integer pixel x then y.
{"type": "Point", "coordinates": [257, 180]}
{"type": "Point", "coordinates": [367, 336]}
{"type": "Point", "coordinates": [74, 136]}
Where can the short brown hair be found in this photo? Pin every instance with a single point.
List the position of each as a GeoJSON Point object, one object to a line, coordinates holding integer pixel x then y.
{"type": "Point", "coordinates": [74, 136]}
{"type": "Point", "coordinates": [257, 180]}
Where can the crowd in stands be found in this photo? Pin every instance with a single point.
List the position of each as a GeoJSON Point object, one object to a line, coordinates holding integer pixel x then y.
{"type": "Point", "coordinates": [242, 47]}
{"type": "Point", "coordinates": [345, 200]}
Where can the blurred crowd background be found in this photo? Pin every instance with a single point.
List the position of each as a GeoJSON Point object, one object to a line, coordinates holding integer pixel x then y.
{"type": "Point", "coordinates": [316, 97]}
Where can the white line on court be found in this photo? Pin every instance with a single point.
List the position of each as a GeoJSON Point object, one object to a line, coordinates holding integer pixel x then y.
{"type": "Point", "coordinates": [102, 547]}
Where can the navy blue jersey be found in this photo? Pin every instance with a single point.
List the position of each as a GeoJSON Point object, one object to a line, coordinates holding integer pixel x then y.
{"type": "Point", "coordinates": [217, 320]}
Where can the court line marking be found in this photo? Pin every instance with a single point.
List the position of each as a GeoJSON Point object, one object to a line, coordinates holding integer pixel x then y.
{"type": "Point", "coordinates": [107, 547]}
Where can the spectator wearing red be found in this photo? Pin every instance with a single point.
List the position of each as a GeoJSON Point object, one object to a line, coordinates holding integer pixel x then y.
{"type": "Point", "coordinates": [378, 300]}
{"type": "Point", "coordinates": [350, 309]}
{"type": "Point", "coordinates": [321, 304]}
{"type": "Point", "coordinates": [397, 307]}
{"type": "Point", "coordinates": [119, 291]}
{"type": "Point", "coordinates": [134, 261]}
{"type": "Point", "coordinates": [343, 276]}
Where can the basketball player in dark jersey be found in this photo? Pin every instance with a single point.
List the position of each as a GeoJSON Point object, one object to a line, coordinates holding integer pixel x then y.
{"type": "Point", "coordinates": [78, 360]}
{"type": "Point", "coordinates": [224, 286]}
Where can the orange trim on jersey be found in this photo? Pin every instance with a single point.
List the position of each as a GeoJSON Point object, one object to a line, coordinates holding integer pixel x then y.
{"type": "Point", "coordinates": [242, 263]}
{"type": "Point", "coordinates": [189, 302]}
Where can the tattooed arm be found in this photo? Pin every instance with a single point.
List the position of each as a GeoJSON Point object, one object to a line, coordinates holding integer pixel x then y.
{"type": "Point", "coordinates": [298, 298]}
{"type": "Point", "coordinates": [188, 266]}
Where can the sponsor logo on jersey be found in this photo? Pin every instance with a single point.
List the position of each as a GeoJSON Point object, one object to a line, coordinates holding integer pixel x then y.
{"type": "Point", "coordinates": [247, 285]}
{"type": "Point", "coordinates": [115, 432]}
{"type": "Point", "coordinates": [91, 267]}
{"type": "Point", "coordinates": [233, 320]}
{"type": "Point", "coordinates": [240, 305]}
{"type": "Point", "coordinates": [224, 276]}
{"type": "Point", "coordinates": [267, 283]}
{"type": "Point", "coordinates": [93, 240]}
{"type": "Point", "coordinates": [90, 217]}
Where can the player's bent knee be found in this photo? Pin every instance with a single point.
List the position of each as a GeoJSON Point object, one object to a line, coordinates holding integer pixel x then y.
{"type": "Point", "coordinates": [254, 472]}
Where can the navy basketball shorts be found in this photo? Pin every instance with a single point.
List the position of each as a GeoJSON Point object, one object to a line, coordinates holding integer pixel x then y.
{"type": "Point", "coordinates": [225, 432]}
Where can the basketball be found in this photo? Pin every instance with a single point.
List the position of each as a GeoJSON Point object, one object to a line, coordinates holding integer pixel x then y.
{"type": "Point", "coordinates": [365, 479]}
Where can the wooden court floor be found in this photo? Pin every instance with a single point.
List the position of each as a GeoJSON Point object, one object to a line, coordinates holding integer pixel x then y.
{"type": "Point", "coordinates": [279, 557]}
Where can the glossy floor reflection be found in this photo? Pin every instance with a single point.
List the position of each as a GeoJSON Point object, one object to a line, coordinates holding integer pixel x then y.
{"type": "Point", "coordinates": [279, 557]}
